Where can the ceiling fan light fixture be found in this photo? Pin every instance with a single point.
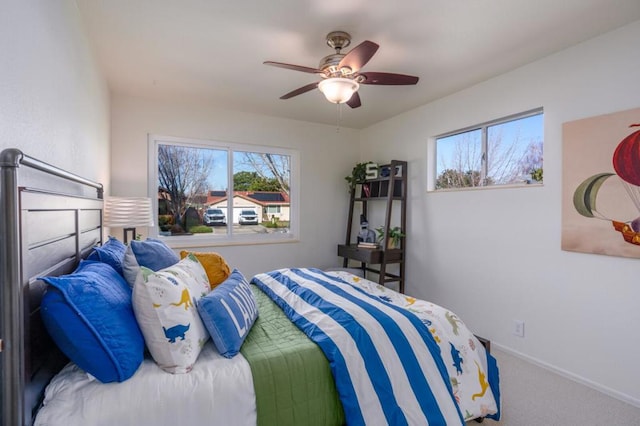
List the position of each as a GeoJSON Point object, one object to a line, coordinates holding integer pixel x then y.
{"type": "Point", "coordinates": [338, 90]}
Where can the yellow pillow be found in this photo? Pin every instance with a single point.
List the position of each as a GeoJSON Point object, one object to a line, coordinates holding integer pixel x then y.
{"type": "Point", "coordinates": [214, 264]}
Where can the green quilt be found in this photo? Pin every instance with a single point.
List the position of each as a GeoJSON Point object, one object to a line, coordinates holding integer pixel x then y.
{"type": "Point", "coordinates": [291, 376]}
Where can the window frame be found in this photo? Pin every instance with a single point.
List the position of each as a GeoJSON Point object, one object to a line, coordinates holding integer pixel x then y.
{"type": "Point", "coordinates": [483, 127]}
{"type": "Point", "coordinates": [229, 238]}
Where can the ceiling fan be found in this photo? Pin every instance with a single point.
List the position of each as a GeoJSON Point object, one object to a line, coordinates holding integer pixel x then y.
{"type": "Point", "coordinates": [340, 73]}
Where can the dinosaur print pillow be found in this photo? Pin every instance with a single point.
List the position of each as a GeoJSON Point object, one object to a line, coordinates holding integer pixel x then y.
{"type": "Point", "coordinates": [164, 303]}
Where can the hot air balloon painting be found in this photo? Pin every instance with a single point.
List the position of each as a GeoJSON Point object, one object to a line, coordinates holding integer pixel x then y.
{"type": "Point", "coordinates": [626, 162]}
{"type": "Point", "coordinates": [601, 185]}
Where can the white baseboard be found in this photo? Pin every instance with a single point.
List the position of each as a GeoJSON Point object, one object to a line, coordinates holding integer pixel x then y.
{"type": "Point", "coordinates": [571, 376]}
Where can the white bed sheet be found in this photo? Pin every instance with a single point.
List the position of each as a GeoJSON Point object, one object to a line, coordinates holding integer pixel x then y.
{"type": "Point", "coordinates": [218, 391]}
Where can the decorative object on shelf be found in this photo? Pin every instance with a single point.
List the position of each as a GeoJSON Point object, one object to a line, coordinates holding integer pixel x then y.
{"type": "Point", "coordinates": [371, 171]}
{"type": "Point", "coordinates": [127, 213]}
{"type": "Point", "coordinates": [393, 237]}
{"type": "Point", "coordinates": [365, 235]}
{"type": "Point", "coordinates": [358, 174]}
{"type": "Point", "coordinates": [385, 171]}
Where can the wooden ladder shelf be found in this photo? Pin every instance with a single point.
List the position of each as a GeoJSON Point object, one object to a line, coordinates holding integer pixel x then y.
{"type": "Point", "coordinates": [389, 190]}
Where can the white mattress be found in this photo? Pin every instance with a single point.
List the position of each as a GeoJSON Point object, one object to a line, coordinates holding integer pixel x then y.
{"type": "Point", "coordinates": [218, 391]}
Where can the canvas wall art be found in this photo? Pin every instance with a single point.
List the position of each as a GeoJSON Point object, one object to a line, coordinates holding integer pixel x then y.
{"type": "Point", "coordinates": [601, 184]}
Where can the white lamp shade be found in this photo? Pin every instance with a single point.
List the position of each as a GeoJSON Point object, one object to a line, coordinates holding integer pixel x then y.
{"type": "Point", "coordinates": [338, 90]}
{"type": "Point", "coordinates": [128, 212]}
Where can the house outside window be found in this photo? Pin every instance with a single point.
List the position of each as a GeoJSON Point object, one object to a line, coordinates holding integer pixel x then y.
{"type": "Point", "coordinates": [507, 151]}
{"type": "Point", "coordinates": [201, 188]}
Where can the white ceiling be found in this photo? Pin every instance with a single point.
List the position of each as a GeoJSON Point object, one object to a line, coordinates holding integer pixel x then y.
{"type": "Point", "coordinates": [212, 51]}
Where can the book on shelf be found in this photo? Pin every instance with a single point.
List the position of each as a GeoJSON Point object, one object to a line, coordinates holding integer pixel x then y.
{"type": "Point", "coordinates": [366, 190]}
{"type": "Point", "coordinates": [363, 244]}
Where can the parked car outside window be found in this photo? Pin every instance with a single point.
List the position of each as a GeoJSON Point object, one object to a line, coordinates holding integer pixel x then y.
{"type": "Point", "coordinates": [214, 217]}
{"type": "Point", "coordinates": [248, 217]}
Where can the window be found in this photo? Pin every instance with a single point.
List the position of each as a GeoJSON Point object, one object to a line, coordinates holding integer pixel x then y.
{"type": "Point", "coordinates": [201, 189]}
{"type": "Point", "coordinates": [502, 152]}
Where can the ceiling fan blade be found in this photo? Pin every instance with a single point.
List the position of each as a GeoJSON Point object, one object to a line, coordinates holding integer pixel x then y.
{"type": "Point", "coordinates": [388, 79]}
{"type": "Point", "coordinates": [293, 67]}
{"type": "Point", "coordinates": [359, 55]}
{"type": "Point", "coordinates": [300, 90]}
{"type": "Point", "coordinates": [354, 102]}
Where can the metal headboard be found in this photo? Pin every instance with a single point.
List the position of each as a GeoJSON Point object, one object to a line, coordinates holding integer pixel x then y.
{"type": "Point", "coordinates": [28, 249]}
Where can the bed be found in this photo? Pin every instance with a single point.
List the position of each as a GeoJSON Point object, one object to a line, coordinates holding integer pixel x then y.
{"type": "Point", "coordinates": [301, 362]}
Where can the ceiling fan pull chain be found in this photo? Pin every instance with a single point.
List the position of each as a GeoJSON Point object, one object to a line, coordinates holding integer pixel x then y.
{"type": "Point", "coordinates": [338, 117]}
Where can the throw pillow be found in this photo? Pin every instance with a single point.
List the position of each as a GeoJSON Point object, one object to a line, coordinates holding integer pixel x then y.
{"type": "Point", "coordinates": [229, 312]}
{"type": "Point", "coordinates": [111, 253]}
{"type": "Point", "coordinates": [151, 253]}
{"type": "Point", "coordinates": [215, 265]}
{"type": "Point", "coordinates": [164, 303]}
{"type": "Point", "coordinates": [90, 317]}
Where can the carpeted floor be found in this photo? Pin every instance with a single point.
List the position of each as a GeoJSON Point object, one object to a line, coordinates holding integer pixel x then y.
{"type": "Point", "coordinates": [534, 396]}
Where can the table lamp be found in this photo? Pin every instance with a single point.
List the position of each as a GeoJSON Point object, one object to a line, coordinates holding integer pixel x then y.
{"type": "Point", "coordinates": [127, 213]}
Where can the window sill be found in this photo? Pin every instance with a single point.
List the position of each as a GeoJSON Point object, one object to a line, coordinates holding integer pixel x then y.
{"type": "Point", "coordinates": [204, 240]}
{"type": "Point", "coordinates": [481, 188]}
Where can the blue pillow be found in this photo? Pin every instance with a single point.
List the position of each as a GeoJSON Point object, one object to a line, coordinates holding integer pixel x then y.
{"type": "Point", "coordinates": [111, 252]}
{"type": "Point", "coordinates": [229, 312]}
{"type": "Point", "coordinates": [90, 317]}
{"type": "Point", "coordinates": [151, 253]}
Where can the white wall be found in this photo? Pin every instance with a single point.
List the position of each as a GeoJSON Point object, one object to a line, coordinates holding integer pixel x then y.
{"type": "Point", "coordinates": [54, 102]}
{"type": "Point", "coordinates": [493, 256]}
{"type": "Point", "coordinates": [326, 157]}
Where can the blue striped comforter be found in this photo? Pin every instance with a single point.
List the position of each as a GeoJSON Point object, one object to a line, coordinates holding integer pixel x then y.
{"type": "Point", "coordinates": [386, 365]}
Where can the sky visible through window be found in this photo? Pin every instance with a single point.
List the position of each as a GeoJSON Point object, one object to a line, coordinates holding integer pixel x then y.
{"type": "Point", "coordinates": [218, 176]}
